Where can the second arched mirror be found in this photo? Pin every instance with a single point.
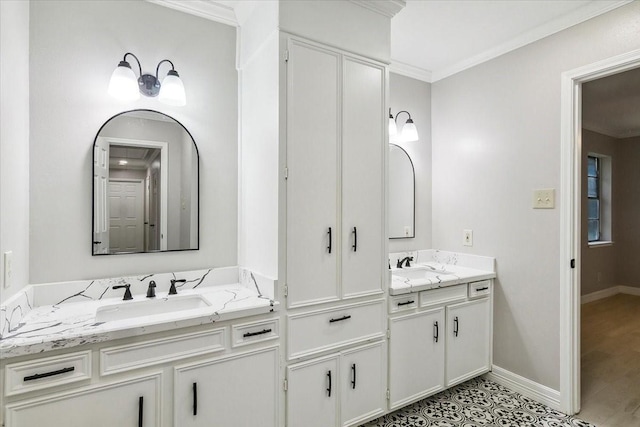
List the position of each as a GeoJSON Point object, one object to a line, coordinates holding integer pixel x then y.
{"type": "Point", "coordinates": [401, 194]}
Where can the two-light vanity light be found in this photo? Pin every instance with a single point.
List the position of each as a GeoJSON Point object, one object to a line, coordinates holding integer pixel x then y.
{"type": "Point", "coordinates": [409, 132]}
{"type": "Point", "coordinates": [126, 87]}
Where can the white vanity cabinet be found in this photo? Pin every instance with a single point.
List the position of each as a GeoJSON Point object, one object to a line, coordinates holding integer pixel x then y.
{"type": "Point", "coordinates": [334, 174]}
{"type": "Point", "coordinates": [240, 390]}
{"type": "Point", "coordinates": [443, 342]}
{"type": "Point", "coordinates": [135, 402]}
{"type": "Point", "coordinates": [342, 389]}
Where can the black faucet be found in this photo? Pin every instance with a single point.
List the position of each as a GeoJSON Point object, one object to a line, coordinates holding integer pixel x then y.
{"type": "Point", "coordinates": [402, 261]}
{"type": "Point", "coordinates": [172, 289]}
{"type": "Point", "coordinates": [127, 292]}
{"type": "Point", "coordinates": [151, 290]}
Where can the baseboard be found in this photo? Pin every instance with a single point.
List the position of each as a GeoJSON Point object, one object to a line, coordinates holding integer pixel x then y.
{"type": "Point", "coordinates": [614, 290]}
{"type": "Point", "coordinates": [525, 387]}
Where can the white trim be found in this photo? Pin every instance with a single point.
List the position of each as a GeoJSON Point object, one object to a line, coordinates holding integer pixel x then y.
{"type": "Point", "coordinates": [208, 9]}
{"type": "Point", "coordinates": [410, 71]}
{"type": "Point", "coordinates": [579, 15]}
{"type": "Point", "coordinates": [387, 8]}
{"type": "Point", "coordinates": [600, 244]}
{"type": "Point", "coordinates": [525, 387]}
{"type": "Point", "coordinates": [570, 150]}
{"type": "Point", "coordinates": [609, 292]}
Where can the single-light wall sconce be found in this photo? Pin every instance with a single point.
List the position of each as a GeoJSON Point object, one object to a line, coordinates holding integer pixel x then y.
{"type": "Point", "coordinates": [126, 87]}
{"type": "Point", "coordinates": [409, 132]}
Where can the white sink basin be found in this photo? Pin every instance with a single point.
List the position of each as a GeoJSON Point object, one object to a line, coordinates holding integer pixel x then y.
{"type": "Point", "coordinates": [419, 273]}
{"type": "Point", "coordinates": [149, 307]}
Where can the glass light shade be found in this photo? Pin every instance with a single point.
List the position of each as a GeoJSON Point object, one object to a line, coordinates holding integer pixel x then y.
{"type": "Point", "coordinates": [172, 90]}
{"type": "Point", "coordinates": [124, 84]}
{"type": "Point", "coordinates": [409, 131]}
{"type": "Point", "coordinates": [393, 129]}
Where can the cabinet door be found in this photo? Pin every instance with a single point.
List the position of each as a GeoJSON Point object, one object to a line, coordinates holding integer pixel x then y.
{"type": "Point", "coordinates": [364, 385]}
{"type": "Point", "coordinates": [468, 340]}
{"type": "Point", "coordinates": [238, 391]}
{"type": "Point", "coordinates": [130, 403]}
{"type": "Point", "coordinates": [362, 178]}
{"type": "Point", "coordinates": [312, 183]}
{"type": "Point", "coordinates": [312, 394]}
{"type": "Point", "coordinates": [416, 356]}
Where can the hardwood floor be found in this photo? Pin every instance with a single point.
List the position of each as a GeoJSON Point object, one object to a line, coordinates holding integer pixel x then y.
{"type": "Point", "coordinates": [610, 357]}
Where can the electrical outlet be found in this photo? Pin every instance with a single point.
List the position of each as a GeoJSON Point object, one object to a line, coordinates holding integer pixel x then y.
{"type": "Point", "coordinates": [8, 268]}
{"type": "Point", "coordinates": [407, 231]}
{"type": "Point", "coordinates": [467, 237]}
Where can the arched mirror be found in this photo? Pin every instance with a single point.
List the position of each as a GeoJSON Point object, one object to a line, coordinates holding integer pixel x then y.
{"type": "Point", "coordinates": [145, 185]}
{"type": "Point", "coordinates": [401, 194]}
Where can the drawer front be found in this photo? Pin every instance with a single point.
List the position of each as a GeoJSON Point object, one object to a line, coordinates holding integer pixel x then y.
{"type": "Point", "coordinates": [479, 289]}
{"type": "Point", "coordinates": [249, 333]}
{"type": "Point", "coordinates": [147, 353]}
{"type": "Point", "coordinates": [403, 302]}
{"type": "Point", "coordinates": [322, 330]}
{"type": "Point", "coordinates": [47, 372]}
{"type": "Point", "coordinates": [443, 295]}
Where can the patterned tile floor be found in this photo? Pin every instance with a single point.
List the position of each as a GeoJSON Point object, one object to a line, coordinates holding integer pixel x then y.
{"type": "Point", "coordinates": [476, 403]}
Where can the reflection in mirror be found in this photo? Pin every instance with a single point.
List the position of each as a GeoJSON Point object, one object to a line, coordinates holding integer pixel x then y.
{"type": "Point", "coordinates": [401, 194]}
{"type": "Point", "coordinates": [145, 185]}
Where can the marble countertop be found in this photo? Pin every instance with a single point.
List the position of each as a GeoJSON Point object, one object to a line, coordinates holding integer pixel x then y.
{"type": "Point", "coordinates": [446, 268]}
{"type": "Point", "coordinates": [51, 327]}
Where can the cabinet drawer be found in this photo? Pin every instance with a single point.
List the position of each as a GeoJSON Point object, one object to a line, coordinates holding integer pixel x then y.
{"type": "Point", "coordinates": [403, 302]}
{"type": "Point", "coordinates": [443, 295]}
{"type": "Point", "coordinates": [47, 372]}
{"type": "Point", "coordinates": [479, 289]}
{"type": "Point", "coordinates": [321, 330]}
{"type": "Point", "coordinates": [147, 353]}
{"type": "Point", "coordinates": [249, 333]}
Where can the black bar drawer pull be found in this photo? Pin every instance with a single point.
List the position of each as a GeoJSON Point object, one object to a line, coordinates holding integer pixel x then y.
{"type": "Point", "coordinates": [329, 388]}
{"type": "Point", "coordinates": [140, 408]}
{"type": "Point", "coordinates": [406, 303]}
{"type": "Point", "coordinates": [340, 319]}
{"type": "Point", "coordinates": [253, 334]}
{"type": "Point", "coordinates": [435, 331]}
{"type": "Point", "coordinates": [195, 398]}
{"type": "Point", "coordinates": [455, 326]}
{"type": "Point", "coordinates": [355, 240]}
{"type": "Point", "coordinates": [353, 376]}
{"type": "Point", "coordinates": [329, 233]}
{"type": "Point", "coordinates": [49, 374]}
{"type": "Point", "coordinates": [482, 289]}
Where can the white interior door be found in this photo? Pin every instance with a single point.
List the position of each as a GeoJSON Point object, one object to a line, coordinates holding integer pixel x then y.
{"type": "Point", "coordinates": [126, 216]}
{"type": "Point", "coordinates": [100, 181]}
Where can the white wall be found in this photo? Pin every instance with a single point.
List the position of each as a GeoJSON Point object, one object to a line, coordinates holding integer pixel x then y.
{"type": "Point", "coordinates": [74, 48]}
{"type": "Point", "coordinates": [14, 141]}
{"type": "Point", "coordinates": [414, 96]}
{"type": "Point", "coordinates": [496, 137]}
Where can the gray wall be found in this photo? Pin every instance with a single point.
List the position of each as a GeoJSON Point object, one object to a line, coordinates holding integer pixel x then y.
{"type": "Point", "coordinates": [414, 96]}
{"type": "Point", "coordinates": [75, 45]}
{"type": "Point", "coordinates": [496, 137]}
{"type": "Point", "coordinates": [627, 228]}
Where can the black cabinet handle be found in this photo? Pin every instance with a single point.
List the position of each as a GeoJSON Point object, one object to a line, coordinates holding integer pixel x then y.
{"type": "Point", "coordinates": [353, 376]}
{"type": "Point", "coordinates": [482, 289]}
{"type": "Point", "coordinates": [253, 334]}
{"type": "Point", "coordinates": [455, 326]}
{"type": "Point", "coordinates": [405, 303]}
{"type": "Point", "coordinates": [340, 319]}
{"type": "Point", "coordinates": [195, 398]}
{"type": "Point", "coordinates": [355, 240]}
{"type": "Point", "coordinates": [96, 242]}
{"type": "Point", "coordinates": [329, 388]}
{"type": "Point", "coordinates": [329, 233]}
{"type": "Point", "coordinates": [435, 331]}
{"type": "Point", "coordinates": [140, 408]}
{"type": "Point", "coordinates": [48, 374]}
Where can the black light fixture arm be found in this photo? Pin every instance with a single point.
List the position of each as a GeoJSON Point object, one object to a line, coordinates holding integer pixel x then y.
{"type": "Point", "coordinates": [400, 112]}
{"type": "Point", "coordinates": [127, 63]}
{"type": "Point", "coordinates": [160, 63]}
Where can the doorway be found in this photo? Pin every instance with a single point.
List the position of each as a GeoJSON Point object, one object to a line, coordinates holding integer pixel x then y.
{"type": "Point", "coordinates": [572, 212]}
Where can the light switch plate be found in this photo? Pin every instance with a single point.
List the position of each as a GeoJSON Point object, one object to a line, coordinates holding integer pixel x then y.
{"type": "Point", "coordinates": [467, 237]}
{"type": "Point", "coordinates": [544, 198]}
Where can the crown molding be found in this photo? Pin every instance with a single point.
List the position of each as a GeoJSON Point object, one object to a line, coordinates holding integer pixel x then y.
{"type": "Point", "coordinates": [585, 13]}
{"type": "Point", "coordinates": [410, 71]}
{"type": "Point", "coordinates": [208, 9]}
{"type": "Point", "coordinates": [387, 8]}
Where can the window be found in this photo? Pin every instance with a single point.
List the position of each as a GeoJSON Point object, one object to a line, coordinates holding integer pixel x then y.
{"type": "Point", "coordinates": [593, 198]}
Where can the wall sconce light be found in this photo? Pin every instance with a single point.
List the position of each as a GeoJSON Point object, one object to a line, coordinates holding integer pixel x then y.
{"type": "Point", "coordinates": [125, 86]}
{"type": "Point", "coordinates": [409, 132]}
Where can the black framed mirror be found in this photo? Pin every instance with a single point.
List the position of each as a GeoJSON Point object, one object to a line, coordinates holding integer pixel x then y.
{"type": "Point", "coordinates": [145, 185]}
{"type": "Point", "coordinates": [402, 194]}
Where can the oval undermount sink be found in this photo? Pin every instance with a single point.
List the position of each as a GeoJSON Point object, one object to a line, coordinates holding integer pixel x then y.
{"type": "Point", "coordinates": [149, 307]}
{"type": "Point", "coordinates": [418, 273]}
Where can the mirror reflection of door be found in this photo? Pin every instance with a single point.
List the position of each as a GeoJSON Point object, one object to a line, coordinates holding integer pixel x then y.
{"type": "Point", "coordinates": [100, 181]}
